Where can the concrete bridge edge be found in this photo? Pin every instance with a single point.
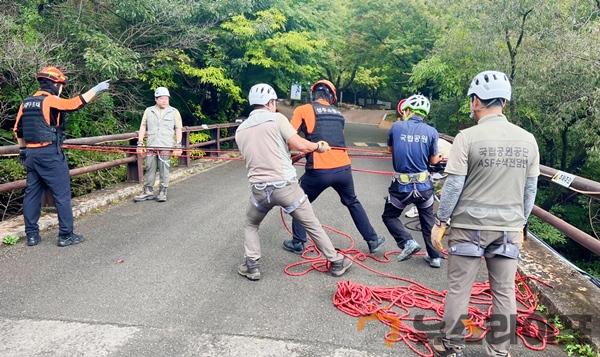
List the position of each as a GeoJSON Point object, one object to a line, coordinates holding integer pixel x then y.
{"type": "Point", "coordinates": [572, 295]}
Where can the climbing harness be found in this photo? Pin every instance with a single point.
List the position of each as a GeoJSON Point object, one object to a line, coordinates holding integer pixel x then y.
{"type": "Point", "coordinates": [413, 179]}
{"type": "Point", "coordinates": [506, 249]}
{"type": "Point", "coordinates": [268, 188]}
{"type": "Point", "coordinates": [473, 248]}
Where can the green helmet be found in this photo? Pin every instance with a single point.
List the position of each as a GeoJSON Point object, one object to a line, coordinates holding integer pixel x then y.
{"type": "Point", "coordinates": [417, 103]}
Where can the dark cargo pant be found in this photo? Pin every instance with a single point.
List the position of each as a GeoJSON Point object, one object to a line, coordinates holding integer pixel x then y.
{"type": "Point", "coordinates": [47, 168]}
{"type": "Point", "coordinates": [314, 182]}
{"type": "Point", "coordinates": [394, 206]}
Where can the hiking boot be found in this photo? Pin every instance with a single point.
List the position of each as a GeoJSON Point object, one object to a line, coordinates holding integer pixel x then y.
{"type": "Point", "coordinates": [339, 267]}
{"type": "Point", "coordinates": [33, 239]}
{"type": "Point", "coordinates": [441, 350]}
{"type": "Point", "coordinates": [162, 195]}
{"type": "Point", "coordinates": [146, 195]}
{"type": "Point", "coordinates": [410, 248]}
{"type": "Point", "coordinates": [433, 262]}
{"type": "Point", "coordinates": [249, 269]}
{"type": "Point", "coordinates": [294, 246]}
{"type": "Point", "coordinates": [375, 245]}
{"type": "Point", "coordinates": [69, 239]}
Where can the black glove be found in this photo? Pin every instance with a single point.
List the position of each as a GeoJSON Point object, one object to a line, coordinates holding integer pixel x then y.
{"type": "Point", "coordinates": [22, 155]}
{"type": "Point", "coordinates": [439, 167]}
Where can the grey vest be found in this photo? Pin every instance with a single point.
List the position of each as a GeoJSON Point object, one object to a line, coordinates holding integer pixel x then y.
{"type": "Point", "coordinates": [161, 130]}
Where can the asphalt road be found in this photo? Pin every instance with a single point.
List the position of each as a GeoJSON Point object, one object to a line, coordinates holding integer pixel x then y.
{"type": "Point", "coordinates": [158, 279]}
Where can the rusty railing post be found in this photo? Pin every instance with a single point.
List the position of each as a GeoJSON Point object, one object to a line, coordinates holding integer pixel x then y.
{"type": "Point", "coordinates": [135, 169]}
{"type": "Point", "coordinates": [185, 159]}
{"type": "Point", "coordinates": [218, 139]}
{"type": "Point", "coordinates": [214, 134]}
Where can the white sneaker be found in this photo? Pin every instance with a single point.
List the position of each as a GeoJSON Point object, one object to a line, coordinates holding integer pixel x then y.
{"type": "Point", "coordinates": [410, 248]}
{"type": "Point", "coordinates": [412, 212]}
{"type": "Point", "coordinates": [434, 263]}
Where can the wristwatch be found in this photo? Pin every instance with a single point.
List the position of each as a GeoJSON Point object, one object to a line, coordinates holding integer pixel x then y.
{"type": "Point", "coordinates": [439, 222]}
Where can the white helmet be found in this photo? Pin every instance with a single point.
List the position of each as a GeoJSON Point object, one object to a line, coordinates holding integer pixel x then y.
{"type": "Point", "coordinates": [490, 85]}
{"type": "Point", "coordinates": [161, 91]}
{"type": "Point", "coordinates": [417, 102]}
{"type": "Point", "coordinates": [261, 94]}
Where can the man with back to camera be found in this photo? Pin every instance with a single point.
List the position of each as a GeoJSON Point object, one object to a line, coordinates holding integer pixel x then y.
{"type": "Point", "coordinates": [321, 120]}
{"type": "Point", "coordinates": [264, 140]}
{"type": "Point", "coordinates": [486, 200]}
{"type": "Point", "coordinates": [413, 145]}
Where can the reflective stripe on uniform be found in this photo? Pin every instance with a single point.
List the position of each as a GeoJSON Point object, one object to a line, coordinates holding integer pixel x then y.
{"type": "Point", "coordinates": [408, 178]}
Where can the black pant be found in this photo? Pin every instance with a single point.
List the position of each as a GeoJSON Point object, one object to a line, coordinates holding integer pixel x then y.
{"type": "Point", "coordinates": [313, 182]}
{"type": "Point", "coordinates": [47, 169]}
{"type": "Point", "coordinates": [392, 212]}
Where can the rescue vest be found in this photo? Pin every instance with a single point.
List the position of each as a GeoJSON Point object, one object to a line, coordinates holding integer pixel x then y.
{"type": "Point", "coordinates": [35, 127]}
{"type": "Point", "coordinates": [329, 127]}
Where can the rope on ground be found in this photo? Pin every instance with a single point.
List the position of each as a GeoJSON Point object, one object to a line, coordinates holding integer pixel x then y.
{"type": "Point", "coordinates": [393, 305]}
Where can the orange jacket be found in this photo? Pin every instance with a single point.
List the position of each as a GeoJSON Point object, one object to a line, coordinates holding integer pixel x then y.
{"type": "Point", "coordinates": [305, 114]}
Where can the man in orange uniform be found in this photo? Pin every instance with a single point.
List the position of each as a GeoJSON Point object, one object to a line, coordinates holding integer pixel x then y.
{"type": "Point", "coordinates": [321, 120]}
{"type": "Point", "coordinates": [39, 130]}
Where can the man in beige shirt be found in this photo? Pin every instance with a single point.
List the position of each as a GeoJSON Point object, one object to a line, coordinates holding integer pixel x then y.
{"type": "Point", "coordinates": [487, 198]}
{"type": "Point", "coordinates": [264, 139]}
{"type": "Point", "coordinates": [163, 124]}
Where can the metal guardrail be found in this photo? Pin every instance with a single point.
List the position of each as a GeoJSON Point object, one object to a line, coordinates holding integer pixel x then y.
{"type": "Point", "coordinates": [580, 185]}
{"type": "Point", "coordinates": [133, 161]}
{"type": "Point", "coordinates": [135, 173]}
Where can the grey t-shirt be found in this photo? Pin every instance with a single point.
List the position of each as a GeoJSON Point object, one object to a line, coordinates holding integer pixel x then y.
{"type": "Point", "coordinates": [262, 140]}
{"type": "Point", "coordinates": [496, 157]}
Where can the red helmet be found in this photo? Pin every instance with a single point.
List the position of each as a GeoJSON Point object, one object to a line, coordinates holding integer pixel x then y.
{"type": "Point", "coordinates": [327, 84]}
{"type": "Point", "coordinates": [399, 107]}
{"type": "Point", "coordinates": [53, 74]}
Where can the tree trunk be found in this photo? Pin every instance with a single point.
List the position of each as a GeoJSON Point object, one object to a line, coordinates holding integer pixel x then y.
{"type": "Point", "coordinates": [512, 51]}
{"type": "Point", "coordinates": [564, 136]}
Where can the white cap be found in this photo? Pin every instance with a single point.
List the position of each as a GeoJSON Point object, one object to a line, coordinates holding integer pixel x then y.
{"type": "Point", "coordinates": [261, 94]}
{"type": "Point", "coordinates": [161, 91]}
{"type": "Point", "coordinates": [489, 85]}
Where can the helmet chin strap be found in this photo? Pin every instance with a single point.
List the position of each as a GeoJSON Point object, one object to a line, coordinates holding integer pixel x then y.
{"type": "Point", "coordinates": [473, 111]}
